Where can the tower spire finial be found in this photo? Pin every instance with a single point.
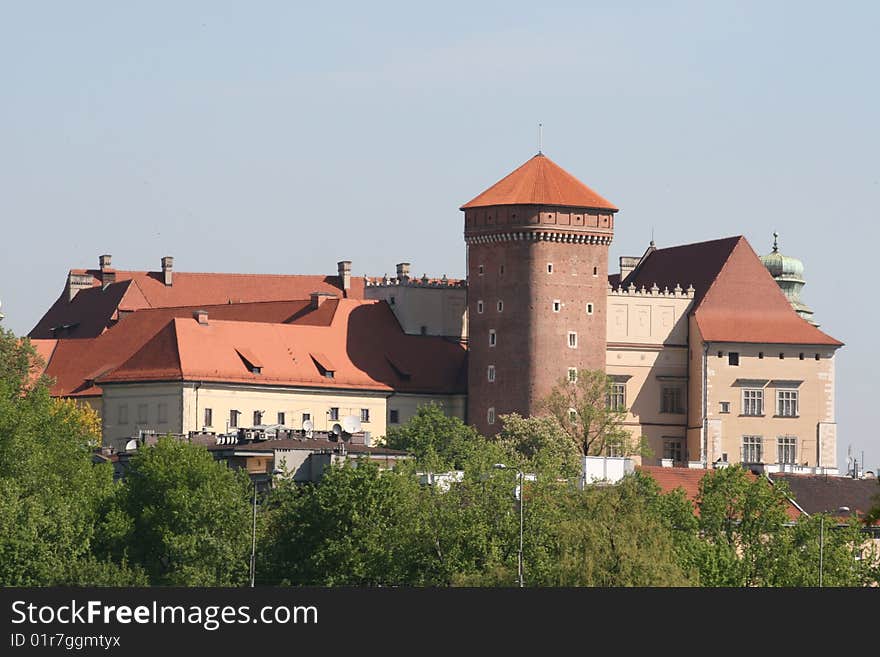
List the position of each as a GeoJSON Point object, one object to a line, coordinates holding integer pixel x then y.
{"type": "Point", "coordinates": [775, 242]}
{"type": "Point", "coordinates": [540, 138]}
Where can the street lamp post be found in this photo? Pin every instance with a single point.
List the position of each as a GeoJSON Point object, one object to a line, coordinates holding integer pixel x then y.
{"type": "Point", "coordinates": [276, 471]}
{"type": "Point", "coordinates": [520, 476]}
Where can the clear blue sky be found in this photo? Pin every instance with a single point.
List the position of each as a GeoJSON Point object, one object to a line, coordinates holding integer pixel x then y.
{"type": "Point", "coordinates": [271, 137]}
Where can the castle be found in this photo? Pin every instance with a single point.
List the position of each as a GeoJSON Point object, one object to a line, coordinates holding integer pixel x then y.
{"type": "Point", "coordinates": [709, 347]}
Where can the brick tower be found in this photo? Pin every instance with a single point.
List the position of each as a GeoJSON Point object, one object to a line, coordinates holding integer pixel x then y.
{"type": "Point", "coordinates": [537, 285]}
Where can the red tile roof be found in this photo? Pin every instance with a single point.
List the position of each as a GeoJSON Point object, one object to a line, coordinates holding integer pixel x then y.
{"type": "Point", "coordinates": [92, 310]}
{"type": "Point", "coordinates": [76, 363]}
{"type": "Point", "coordinates": [357, 344]}
{"type": "Point", "coordinates": [688, 479]}
{"type": "Point", "coordinates": [735, 297]}
{"type": "Point", "coordinates": [540, 181]}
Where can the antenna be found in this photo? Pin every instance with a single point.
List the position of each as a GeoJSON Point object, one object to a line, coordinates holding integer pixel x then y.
{"type": "Point", "coordinates": [351, 424]}
{"type": "Point", "coordinates": [540, 137]}
{"type": "Point", "coordinates": [652, 236]}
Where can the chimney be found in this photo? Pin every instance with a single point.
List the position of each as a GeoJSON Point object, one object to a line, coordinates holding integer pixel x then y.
{"type": "Point", "coordinates": [76, 282]}
{"type": "Point", "coordinates": [403, 271]}
{"type": "Point", "coordinates": [108, 274]}
{"type": "Point", "coordinates": [627, 264]}
{"type": "Point", "coordinates": [320, 297]}
{"type": "Point", "coordinates": [343, 267]}
{"type": "Point", "coordinates": [201, 317]}
{"type": "Point", "coordinates": [167, 266]}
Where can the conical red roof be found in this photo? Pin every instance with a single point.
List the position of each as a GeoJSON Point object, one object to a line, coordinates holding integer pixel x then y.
{"type": "Point", "coordinates": [540, 181]}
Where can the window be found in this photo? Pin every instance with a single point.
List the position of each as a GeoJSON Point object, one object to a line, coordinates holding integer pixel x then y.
{"type": "Point", "coordinates": [501, 270]}
{"type": "Point", "coordinates": [307, 417]}
{"type": "Point", "coordinates": [572, 375]}
{"type": "Point", "coordinates": [781, 355]}
{"type": "Point", "coordinates": [572, 415]}
{"type": "Point", "coordinates": [142, 413]}
{"type": "Point", "coordinates": [492, 338]}
{"type": "Point", "coordinates": [500, 306]}
{"type": "Point", "coordinates": [480, 307]}
{"type": "Point", "coordinates": [589, 309]}
{"type": "Point", "coordinates": [233, 418]}
{"type": "Point", "coordinates": [365, 415]}
{"type": "Point", "coordinates": [672, 398]}
{"type": "Point", "coordinates": [424, 330]}
{"type": "Point", "coordinates": [334, 412]}
{"type": "Point", "coordinates": [801, 356]}
{"type": "Point", "coordinates": [616, 400]}
{"type": "Point", "coordinates": [480, 270]}
{"type": "Point", "coordinates": [786, 449]}
{"type": "Point", "coordinates": [549, 267]}
{"type": "Point", "coordinates": [209, 417]}
{"type": "Point", "coordinates": [123, 414]}
{"type": "Point", "coordinates": [163, 413]}
{"type": "Point", "coordinates": [391, 301]}
{"type": "Point", "coordinates": [753, 402]}
{"type": "Point", "coordinates": [673, 448]}
{"type": "Point", "coordinates": [752, 449]}
{"type": "Point", "coordinates": [281, 418]}
{"type": "Point", "coordinates": [787, 403]}
{"type": "Point", "coordinates": [572, 339]}
{"type": "Point", "coordinates": [733, 358]}
{"type": "Point", "coordinates": [490, 415]}
{"type": "Point", "coordinates": [490, 373]}
{"type": "Point", "coordinates": [720, 354]}
{"type": "Point", "coordinates": [725, 407]}
{"type": "Point", "coordinates": [613, 449]}
{"type": "Point", "coordinates": [393, 416]}
{"type": "Point", "coordinates": [761, 354]}
{"type": "Point", "coordinates": [817, 356]}
{"type": "Point", "coordinates": [258, 417]}
{"type": "Point", "coordinates": [557, 306]}
{"type": "Point", "coordinates": [595, 271]}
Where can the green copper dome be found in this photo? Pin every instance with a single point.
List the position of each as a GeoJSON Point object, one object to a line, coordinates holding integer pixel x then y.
{"type": "Point", "coordinates": [789, 274]}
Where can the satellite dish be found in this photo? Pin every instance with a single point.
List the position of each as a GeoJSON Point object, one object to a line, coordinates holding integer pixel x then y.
{"type": "Point", "coordinates": [131, 445]}
{"type": "Point", "coordinates": [337, 429]}
{"type": "Point", "coordinates": [351, 424]}
{"type": "Point", "coordinates": [308, 425]}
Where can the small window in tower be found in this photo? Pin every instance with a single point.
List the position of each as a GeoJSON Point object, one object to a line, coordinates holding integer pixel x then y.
{"type": "Point", "coordinates": [490, 415]}
{"type": "Point", "coordinates": [480, 307]}
{"type": "Point", "coordinates": [500, 306]}
{"type": "Point", "coordinates": [490, 373]}
{"type": "Point", "coordinates": [480, 270]}
{"type": "Point", "coordinates": [557, 305]}
{"type": "Point", "coordinates": [589, 309]}
{"type": "Point", "coordinates": [595, 271]}
{"type": "Point", "coordinates": [493, 338]}
{"type": "Point", "coordinates": [572, 339]}
{"type": "Point", "coordinates": [572, 415]}
{"type": "Point", "coordinates": [549, 267]}
{"type": "Point", "coordinates": [572, 375]}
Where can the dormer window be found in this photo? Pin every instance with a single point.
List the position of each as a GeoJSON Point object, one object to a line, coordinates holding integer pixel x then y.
{"type": "Point", "coordinates": [250, 360]}
{"type": "Point", "coordinates": [324, 366]}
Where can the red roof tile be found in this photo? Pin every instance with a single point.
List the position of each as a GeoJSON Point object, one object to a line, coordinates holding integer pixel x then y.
{"type": "Point", "coordinates": [540, 181]}
{"type": "Point", "coordinates": [357, 345]}
{"type": "Point", "coordinates": [688, 479]}
{"type": "Point", "coordinates": [92, 310]}
{"type": "Point", "coordinates": [735, 297]}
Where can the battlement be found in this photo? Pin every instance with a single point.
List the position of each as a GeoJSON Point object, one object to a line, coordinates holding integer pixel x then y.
{"type": "Point", "coordinates": [653, 291]}
{"type": "Point", "coordinates": [406, 281]}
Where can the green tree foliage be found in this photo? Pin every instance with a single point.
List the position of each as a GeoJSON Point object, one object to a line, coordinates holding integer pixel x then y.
{"type": "Point", "coordinates": [50, 492]}
{"type": "Point", "coordinates": [183, 517]}
{"type": "Point", "coordinates": [583, 410]}
{"type": "Point", "coordinates": [434, 438]}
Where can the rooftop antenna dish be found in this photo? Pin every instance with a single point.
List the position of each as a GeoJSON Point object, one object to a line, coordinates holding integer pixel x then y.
{"type": "Point", "coordinates": [336, 430]}
{"type": "Point", "coordinates": [131, 445]}
{"type": "Point", "coordinates": [308, 426]}
{"type": "Point", "coordinates": [351, 424]}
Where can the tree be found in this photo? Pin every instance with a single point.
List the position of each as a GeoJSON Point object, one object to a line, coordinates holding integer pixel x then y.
{"type": "Point", "coordinates": [183, 517]}
{"type": "Point", "coordinates": [51, 494]}
{"type": "Point", "coordinates": [585, 412]}
{"type": "Point", "coordinates": [434, 438]}
{"type": "Point", "coordinates": [542, 443]}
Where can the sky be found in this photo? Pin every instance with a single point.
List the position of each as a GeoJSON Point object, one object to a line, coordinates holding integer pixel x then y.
{"type": "Point", "coordinates": [280, 137]}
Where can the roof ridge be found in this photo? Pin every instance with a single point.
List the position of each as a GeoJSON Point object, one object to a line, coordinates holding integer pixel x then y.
{"type": "Point", "coordinates": [715, 278]}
